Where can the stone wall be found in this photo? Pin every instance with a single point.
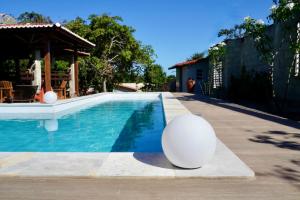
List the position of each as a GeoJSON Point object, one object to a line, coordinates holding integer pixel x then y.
{"type": "Point", "coordinates": [283, 61]}
{"type": "Point", "coordinates": [241, 54]}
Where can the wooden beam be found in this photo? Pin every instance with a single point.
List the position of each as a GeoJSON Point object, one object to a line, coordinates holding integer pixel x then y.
{"type": "Point", "coordinates": [37, 69]}
{"type": "Point", "coordinates": [76, 74]}
{"type": "Point", "coordinates": [47, 59]}
{"type": "Point", "coordinates": [79, 53]}
{"type": "Point", "coordinates": [72, 77]}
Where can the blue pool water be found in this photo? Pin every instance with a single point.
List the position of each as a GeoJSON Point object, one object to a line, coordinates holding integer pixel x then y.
{"type": "Point", "coordinates": [117, 126]}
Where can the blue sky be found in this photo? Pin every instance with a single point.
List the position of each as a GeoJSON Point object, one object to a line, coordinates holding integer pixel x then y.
{"type": "Point", "coordinates": [175, 28]}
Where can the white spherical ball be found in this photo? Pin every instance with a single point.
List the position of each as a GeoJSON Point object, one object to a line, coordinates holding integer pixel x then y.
{"type": "Point", "coordinates": [189, 141]}
{"type": "Point", "coordinates": [50, 97]}
{"type": "Point", "coordinates": [51, 125]}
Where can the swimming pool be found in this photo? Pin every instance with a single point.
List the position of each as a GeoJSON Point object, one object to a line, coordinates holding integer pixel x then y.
{"type": "Point", "coordinates": [113, 126]}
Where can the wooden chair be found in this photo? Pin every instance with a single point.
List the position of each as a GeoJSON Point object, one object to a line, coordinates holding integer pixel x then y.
{"type": "Point", "coordinates": [6, 90]}
{"type": "Point", "coordinates": [61, 91]}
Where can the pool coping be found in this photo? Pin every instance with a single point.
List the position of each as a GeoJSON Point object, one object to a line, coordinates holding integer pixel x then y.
{"type": "Point", "coordinates": [63, 107]}
{"type": "Point", "coordinates": [63, 164]}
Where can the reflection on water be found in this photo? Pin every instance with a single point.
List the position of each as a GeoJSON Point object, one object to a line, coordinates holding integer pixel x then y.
{"type": "Point", "coordinates": [51, 125]}
{"type": "Point", "coordinates": [133, 138]}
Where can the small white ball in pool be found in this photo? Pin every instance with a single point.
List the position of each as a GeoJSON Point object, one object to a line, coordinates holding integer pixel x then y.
{"type": "Point", "coordinates": [50, 97]}
{"type": "Point", "coordinates": [189, 141]}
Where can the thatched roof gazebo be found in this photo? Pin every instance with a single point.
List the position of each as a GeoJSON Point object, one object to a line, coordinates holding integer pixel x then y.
{"type": "Point", "coordinates": [44, 41]}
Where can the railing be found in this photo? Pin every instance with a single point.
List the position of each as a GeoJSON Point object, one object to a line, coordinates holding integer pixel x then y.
{"type": "Point", "coordinates": [26, 76]}
{"type": "Point", "coordinates": [55, 76]}
{"type": "Point", "coordinates": [59, 76]}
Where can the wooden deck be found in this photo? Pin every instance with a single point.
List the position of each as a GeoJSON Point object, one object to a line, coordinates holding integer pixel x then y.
{"type": "Point", "coordinates": [270, 145]}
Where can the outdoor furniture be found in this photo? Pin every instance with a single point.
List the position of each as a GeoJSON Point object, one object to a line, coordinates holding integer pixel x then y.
{"type": "Point", "coordinates": [24, 93]}
{"type": "Point", "coordinates": [6, 90]}
{"type": "Point", "coordinates": [1, 94]}
{"type": "Point", "coordinates": [61, 91]}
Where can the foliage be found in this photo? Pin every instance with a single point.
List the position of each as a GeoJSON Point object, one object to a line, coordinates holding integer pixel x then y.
{"type": "Point", "coordinates": [263, 43]}
{"type": "Point", "coordinates": [78, 26]}
{"type": "Point", "coordinates": [90, 71]}
{"type": "Point", "coordinates": [154, 78]}
{"type": "Point", "coordinates": [285, 10]}
{"type": "Point", "coordinates": [118, 55]}
{"type": "Point", "coordinates": [33, 17]}
{"type": "Point", "coordinates": [217, 53]}
{"type": "Point", "coordinates": [61, 65]}
{"type": "Point", "coordinates": [251, 85]}
{"type": "Point", "coordinates": [196, 56]}
{"type": "Point", "coordinates": [281, 11]}
{"type": "Point", "coordinates": [233, 33]}
{"type": "Point", "coordinates": [256, 29]}
{"type": "Point", "coordinates": [171, 78]}
{"type": "Point", "coordinates": [287, 13]}
{"type": "Point", "coordinates": [7, 19]}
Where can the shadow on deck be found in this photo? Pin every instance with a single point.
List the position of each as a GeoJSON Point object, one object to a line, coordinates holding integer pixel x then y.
{"type": "Point", "coordinates": [284, 138]}
{"type": "Point", "coordinates": [240, 108]}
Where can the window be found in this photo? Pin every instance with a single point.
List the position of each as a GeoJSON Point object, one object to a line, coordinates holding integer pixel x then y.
{"type": "Point", "coordinates": [199, 74]}
{"type": "Point", "coordinates": [297, 56]}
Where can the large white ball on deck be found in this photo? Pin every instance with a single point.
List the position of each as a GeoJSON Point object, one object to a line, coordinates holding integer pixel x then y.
{"type": "Point", "coordinates": [189, 141]}
{"type": "Point", "coordinates": [50, 97]}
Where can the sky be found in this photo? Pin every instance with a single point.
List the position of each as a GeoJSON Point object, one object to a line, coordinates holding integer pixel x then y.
{"type": "Point", "coordinates": [176, 29]}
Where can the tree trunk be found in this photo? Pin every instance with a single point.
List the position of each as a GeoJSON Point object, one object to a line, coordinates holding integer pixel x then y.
{"type": "Point", "coordinates": [104, 85]}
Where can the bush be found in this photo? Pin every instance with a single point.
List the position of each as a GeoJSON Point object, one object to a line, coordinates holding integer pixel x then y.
{"type": "Point", "coordinates": [252, 86]}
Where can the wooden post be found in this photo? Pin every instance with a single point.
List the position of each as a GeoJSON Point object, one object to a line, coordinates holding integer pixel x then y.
{"type": "Point", "coordinates": [47, 59]}
{"type": "Point", "coordinates": [38, 70]}
{"type": "Point", "coordinates": [72, 80]}
{"type": "Point", "coordinates": [76, 74]}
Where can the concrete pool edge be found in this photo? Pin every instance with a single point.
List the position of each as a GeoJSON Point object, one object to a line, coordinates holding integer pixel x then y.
{"type": "Point", "coordinates": [64, 107]}
{"type": "Point", "coordinates": [225, 163]}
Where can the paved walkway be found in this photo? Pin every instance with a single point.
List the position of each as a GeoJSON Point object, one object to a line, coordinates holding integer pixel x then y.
{"type": "Point", "coordinates": [270, 145]}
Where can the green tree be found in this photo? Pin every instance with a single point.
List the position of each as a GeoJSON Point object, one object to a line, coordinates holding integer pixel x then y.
{"type": "Point", "coordinates": [79, 26]}
{"type": "Point", "coordinates": [117, 55]}
{"type": "Point", "coordinates": [171, 78]}
{"type": "Point", "coordinates": [154, 78]}
{"type": "Point", "coordinates": [7, 19]}
{"type": "Point", "coordinates": [33, 17]}
{"type": "Point", "coordinates": [196, 56]}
